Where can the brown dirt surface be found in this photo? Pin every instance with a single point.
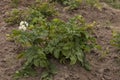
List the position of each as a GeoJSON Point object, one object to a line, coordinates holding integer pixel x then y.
{"type": "Point", "coordinates": [105, 64]}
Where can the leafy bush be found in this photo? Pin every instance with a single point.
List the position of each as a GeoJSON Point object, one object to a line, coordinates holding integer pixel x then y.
{"type": "Point", "coordinates": [14, 16]}
{"type": "Point", "coordinates": [114, 3]}
{"type": "Point", "coordinates": [44, 39]}
{"type": "Point", "coordinates": [62, 40]}
{"type": "Point", "coordinates": [40, 9]}
{"type": "Point", "coordinates": [45, 8]}
{"type": "Point", "coordinates": [74, 4]}
{"type": "Point", "coordinates": [94, 3]}
{"type": "Point", "coordinates": [15, 3]}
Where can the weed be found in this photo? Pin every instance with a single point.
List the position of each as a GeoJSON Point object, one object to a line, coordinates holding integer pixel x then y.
{"type": "Point", "coordinates": [114, 3]}
{"type": "Point", "coordinates": [74, 4]}
{"type": "Point", "coordinates": [13, 17]}
{"type": "Point", "coordinates": [40, 9]}
{"type": "Point", "coordinates": [116, 40]}
{"type": "Point", "coordinates": [94, 3]}
{"type": "Point", "coordinates": [15, 2]}
{"type": "Point", "coordinates": [45, 8]}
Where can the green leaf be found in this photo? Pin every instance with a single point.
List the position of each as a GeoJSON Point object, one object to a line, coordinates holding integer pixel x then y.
{"type": "Point", "coordinates": [37, 62]}
{"type": "Point", "coordinates": [44, 63]}
{"type": "Point", "coordinates": [44, 75]}
{"type": "Point", "coordinates": [52, 69]}
{"type": "Point", "coordinates": [21, 55]}
{"type": "Point", "coordinates": [66, 53]}
{"type": "Point", "coordinates": [87, 66]}
{"type": "Point", "coordinates": [73, 59]}
{"type": "Point", "coordinates": [57, 53]}
{"type": "Point", "coordinates": [80, 56]}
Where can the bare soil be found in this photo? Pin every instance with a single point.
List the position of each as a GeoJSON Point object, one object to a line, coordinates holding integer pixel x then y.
{"type": "Point", "coordinates": [105, 64]}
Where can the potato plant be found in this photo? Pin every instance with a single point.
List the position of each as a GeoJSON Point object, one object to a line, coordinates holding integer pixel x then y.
{"type": "Point", "coordinates": [114, 3]}
{"type": "Point", "coordinates": [44, 39]}
{"type": "Point", "coordinates": [62, 40]}
{"type": "Point", "coordinates": [116, 40]}
{"type": "Point", "coordinates": [40, 9]}
{"type": "Point", "coordinates": [15, 3]}
{"type": "Point", "coordinates": [13, 17]}
{"type": "Point", "coordinates": [45, 8]}
{"type": "Point", "coordinates": [74, 4]}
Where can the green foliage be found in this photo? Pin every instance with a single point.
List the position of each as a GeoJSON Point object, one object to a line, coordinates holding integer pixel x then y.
{"type": "Point", "coordinates": [13, 17]}
{"type": "Point", "coordinates": [45, 8]}
{"type": "Point", "coordinates": [61, 40]}
{"type": "Point", "coordinates": [94, 3]}
{"type": "Point", "coordinates": [116, 40]}
{"type": "Point", "coordinates": [74, 4]}
{"type": "Point", "coordinates": [15, 2]}
{"type": "Point", "coordinates": [25, 72]}
{"type": "Point", "coordinates": [114, 3]}
{"type": "Point", "coordinates": [38, 10]}
{"type": "Point", "coordinates": [47, 75]}
{"type": "Point", "coordinates": [43, 39]}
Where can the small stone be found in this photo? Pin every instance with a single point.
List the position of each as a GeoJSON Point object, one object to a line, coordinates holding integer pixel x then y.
{"type": "Point", "coordinates": [100, 71]}
{"type": "Point", "coordinates": [107, 77]}
{"type": "Point", "coordinates": [107, 70]}
{"type": "Point", "coordinates": [103, 79]}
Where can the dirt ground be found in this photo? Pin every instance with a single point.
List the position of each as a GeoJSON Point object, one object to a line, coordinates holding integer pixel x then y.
{"type": "Point", "coordinates": [105, 64]}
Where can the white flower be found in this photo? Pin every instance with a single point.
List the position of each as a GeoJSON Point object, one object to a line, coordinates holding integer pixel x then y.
{"type": "Point", "coordinates": [21, 23]}
{"type": "Point", "coordinates": [22, 27]}
{"type": "Point", "coordinates": [24, 23]}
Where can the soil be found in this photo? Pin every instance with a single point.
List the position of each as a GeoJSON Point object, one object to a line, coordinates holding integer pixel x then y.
{"type": "Point", "coordinates": [105, 64]}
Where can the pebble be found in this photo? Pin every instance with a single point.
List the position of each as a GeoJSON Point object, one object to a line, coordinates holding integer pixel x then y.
{"type": "Point", "coordinates": [107, 77]}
